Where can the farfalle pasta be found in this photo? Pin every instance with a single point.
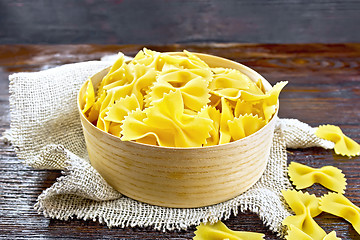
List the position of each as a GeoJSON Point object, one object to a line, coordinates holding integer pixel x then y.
{"type": "Point", "coordinates": [219, 231]}
{"type": "Point", "coordinates": [192, 83]}
{"type": "Point", "coordinates": [294, 233]}
{"type": "Point", "coordinates": [338, 205]}
{"type": "Point", "coordinates": [176, 100]}
{"type": "Point", "coordinates": [306, 207]}
{"type": "Point", "coordinates": [330, 177]}
{"type": "Point", "coordinates": [164, 119]}
{"type": "Point", "coordinates": [343, 145]}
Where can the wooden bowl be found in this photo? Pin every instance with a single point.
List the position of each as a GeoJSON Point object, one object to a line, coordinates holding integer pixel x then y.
{"type": "Point", "coordinates": [180, 177]}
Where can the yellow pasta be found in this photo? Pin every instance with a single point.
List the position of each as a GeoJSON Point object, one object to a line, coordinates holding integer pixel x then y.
{"type": "Point", "coordinates": [330, 177]}
{"type": "Point", "coordinates": [193, 84]}
{"type": "Point", "coordinates": [118, 73]}
{"type": "Point", "coordinates": [267, 102]}
{"type": "Point", "coordinates": [226, 116]}
{"type": "Point", "coordinates": [338, 205]}
{"type": "Point", "coordinates": [331, 236]}
{"type": "Point", "coordinates": [165, 119]}
{"type": "Point", "coordinates": [294, 233]}
{"type": "Point", "coordinates": [117, 112]}
{"type": "Point", "coordinates": [89, 97]}
{"type": "Point", "coordinates": [190, 61]}
{"type": "Point", "coordinates": [214, 115]}
{"type": "Point", "coordinates": [343, 145]}
{"type": "Point", "coordinates": [306, 207]}
{"type": "Point", "coordinates": [141, 80]}
{"type": "Point", "coordinates": [229, 83]}
{"type": "Point", "coordinates": [242, 108]}
{"type": "Point", "coordinates": [244, 126]}
{"type": "Point", "coordinates": [219, 231]}
{"type": "Point", "coordinates": [95, 109]}
{"type": "Point", "coordinates": [178, 101]}
{"type": "Point", "coordinates": [150, 59]}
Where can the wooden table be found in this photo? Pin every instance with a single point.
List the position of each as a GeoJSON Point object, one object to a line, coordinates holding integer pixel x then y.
{"type": "Point", "coordinates": [324, 87]}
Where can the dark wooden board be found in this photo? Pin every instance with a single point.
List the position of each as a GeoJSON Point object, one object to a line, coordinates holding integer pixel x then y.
{"type": "Point", "coordinates": [178, 21]}
{"type": "Point", "coordinates": [324, 87]}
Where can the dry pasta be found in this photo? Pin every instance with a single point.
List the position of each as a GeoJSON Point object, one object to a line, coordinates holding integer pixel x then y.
{"type": "Point", "coordinates": [330, 177]}
{"type": "Point", "coordinates": [164, 119]}
{"type": "Point", "coordinates": [338, 205]}
{"type": "Point", "coordinates": [178, 101]}
{"type": "Point", "coordinates": [193, 86]}
{"type": "Point", "coordinates": [219, 231]}
{"type": "Point", "coordinates": [306, 207]}
{"type": "Point", "coordinates": [343, 145]}
{"type": "Point", "coordinates": [213, 114]}
{"type": "Point", "coordinates": [89, 97]}
{"type": "Point", "coordinates": [294, 233]}
{"type": "Point", "coordinates": [245, 125]}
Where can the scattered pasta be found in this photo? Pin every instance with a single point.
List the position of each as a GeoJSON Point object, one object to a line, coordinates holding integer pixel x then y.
{"type": "Point", "coordinates": [338, 205]}
{"type": "Point", "coordinates": [305, 207]}
{"type": "Point", "coordinates": [220, 231]}
{"type": "Point", "coordinates": [343, 145]}
{"type": "Point", "coordinates": [330, 177]}
{"type": "Point", "coordinates": [178, 101]}
{"type": "Point", "coordinates": [294, 233]}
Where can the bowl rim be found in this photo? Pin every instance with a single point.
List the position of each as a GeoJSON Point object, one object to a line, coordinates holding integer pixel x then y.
{"type": "Point", "coordinates": [115, 138]}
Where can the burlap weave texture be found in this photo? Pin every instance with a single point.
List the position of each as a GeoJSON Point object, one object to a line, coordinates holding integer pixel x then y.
{"type": "Point", "coordinates": [46, 133]}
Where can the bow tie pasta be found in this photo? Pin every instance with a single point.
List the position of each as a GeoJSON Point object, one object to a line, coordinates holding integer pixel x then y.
{"type": "Point", "coordinates": [178, 101]}
{"type": "Point", "coordinates": [219, 231]}
{"type": "Point", "coordinates": [304, 176]}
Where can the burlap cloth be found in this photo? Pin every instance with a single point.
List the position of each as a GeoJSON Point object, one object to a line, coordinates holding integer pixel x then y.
{"type": "Point", "coordinates": [46, 133]}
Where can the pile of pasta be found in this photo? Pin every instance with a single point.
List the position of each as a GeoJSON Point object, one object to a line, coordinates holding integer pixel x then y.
{"type": "Point", "coordinates": [305, 206]}
{"type": "Point", "coordinates": [178, 101]}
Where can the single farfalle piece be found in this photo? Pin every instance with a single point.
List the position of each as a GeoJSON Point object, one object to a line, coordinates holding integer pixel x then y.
{"type": "Point", "coordinates": [189, 61]}
{"type": "Point", "coordinates": [118, 111]}
{"type": "Point", "coordinates": [219, 231]}
{"type": "Point", "coordinates": [193, 84]}
{"type": "Point", "coordinates": [214, 115]}
{"type": "Point", "coordinates": [242, 108]}
{"type": "Point", "coordinates": [294, 233]}
{"type": "Point", "coordinates": [343, 145]}
{"type": "Point", "coordinates": [166, 122]}
{"type": "Point", "coordinates": [94, 111]}
{"type": "Point", "coordinates": [266, 102]}
{"type": "Point", "coordinates": [121, 108]}
{"type": "Point", "coordinates": [109, 99]}
{"type": "Point", "coordinates": [150, 59]}
{"type": "Point", "coordinates": [305, 207]}
{"type": "Point", "coordinates": [245, 125]}
{"type": "Point", "coordinates": [89, 97]}
{"type": "Point", "coordinates": [230, 83]}
{"type": "Point", "coordinates": [118, 75]}
{"type": "Point", "coordinates": [338, 205]}
{"type": "Point", "coordinates": [226, 116]}
{"type": "Point", "coordinates": [304, 176]}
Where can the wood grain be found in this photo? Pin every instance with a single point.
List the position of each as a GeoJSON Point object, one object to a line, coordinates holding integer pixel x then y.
{"type": "Point", "coordinates": [324, 87]}
{"type": "Point", "coordinates": [203, 176]}
{"type": "Point", "coordinates": [178, 21]}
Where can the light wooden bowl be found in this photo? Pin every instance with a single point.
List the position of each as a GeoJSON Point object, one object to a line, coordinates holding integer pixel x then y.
{"type": "Point", "coordinates": [179, 177]}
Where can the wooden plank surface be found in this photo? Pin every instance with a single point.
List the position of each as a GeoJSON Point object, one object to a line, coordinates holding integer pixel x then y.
{"type": "Point", "coordinates": [324, 87]}
{"type": "Point", "coordinates": [178, 21]}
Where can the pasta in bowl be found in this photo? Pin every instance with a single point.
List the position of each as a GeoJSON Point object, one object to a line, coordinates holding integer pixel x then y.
{"type": "Point", "coordinates": [179, 129]}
